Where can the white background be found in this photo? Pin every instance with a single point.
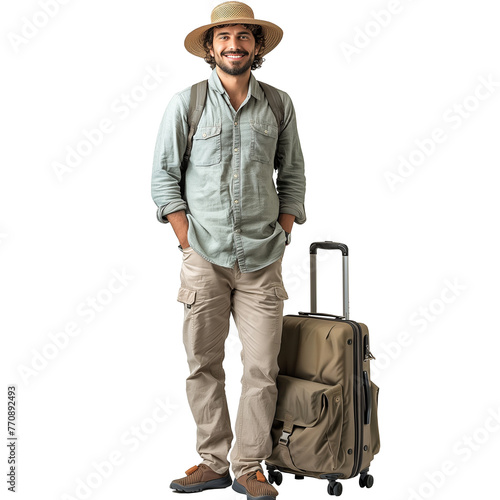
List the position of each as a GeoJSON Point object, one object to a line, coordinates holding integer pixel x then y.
{"type": "Point", "coordinates": [424, 255]}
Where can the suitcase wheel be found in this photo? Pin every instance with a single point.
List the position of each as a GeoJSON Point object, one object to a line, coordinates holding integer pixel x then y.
{"type": "Point", "coordinates": [275, 477]}
{"type": "Point", "coordinates": [365, 480]}
{"type": "Point", "coordinates": [334, 488]}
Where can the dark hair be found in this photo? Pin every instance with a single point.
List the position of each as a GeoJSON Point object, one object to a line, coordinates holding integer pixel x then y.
{"type": "Point", "coordinates": [257, 32]}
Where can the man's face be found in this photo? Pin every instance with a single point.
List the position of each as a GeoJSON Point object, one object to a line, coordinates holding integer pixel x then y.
{"type": "Point", "coordinates": [234, 49]}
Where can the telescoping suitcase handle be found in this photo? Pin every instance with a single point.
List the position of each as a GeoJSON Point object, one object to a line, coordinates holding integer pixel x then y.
{"type": "Point", "coordinates": [330, 245]}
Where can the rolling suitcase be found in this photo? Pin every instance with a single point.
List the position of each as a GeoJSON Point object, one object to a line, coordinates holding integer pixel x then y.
{"type": "Point", "coordinates": [326, 424]}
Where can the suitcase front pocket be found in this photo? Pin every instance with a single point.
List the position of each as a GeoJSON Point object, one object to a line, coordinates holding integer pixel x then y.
{"type": "Point", "coordinates": [308, 425]}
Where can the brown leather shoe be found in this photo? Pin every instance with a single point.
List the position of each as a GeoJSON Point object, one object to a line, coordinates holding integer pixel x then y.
{"type": "Point", "coordinates": [255, 486]}
{"type": "Point", "coordinates": [201, 477]}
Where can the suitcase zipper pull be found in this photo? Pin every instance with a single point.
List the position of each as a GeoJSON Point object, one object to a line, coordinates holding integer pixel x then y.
{"type": "Point", "coordinates": [368, 354]}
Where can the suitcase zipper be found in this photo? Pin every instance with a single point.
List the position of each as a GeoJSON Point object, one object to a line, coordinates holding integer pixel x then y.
{"type": "Point", "coordinates": [358, 388]}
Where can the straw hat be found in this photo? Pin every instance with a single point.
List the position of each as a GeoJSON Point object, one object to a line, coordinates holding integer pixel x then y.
{"type": "Point", "coordinates": [233, 13]}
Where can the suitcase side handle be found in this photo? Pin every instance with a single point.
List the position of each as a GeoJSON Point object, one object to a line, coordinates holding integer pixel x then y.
{"type": "Point", "coordinates": [330, 245]}
{"type": "Point", "coordinates": [368, 398]}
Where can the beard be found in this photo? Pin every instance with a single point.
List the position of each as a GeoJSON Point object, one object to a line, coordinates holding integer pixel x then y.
{"type": "Point", "coordinates": [231, 68]}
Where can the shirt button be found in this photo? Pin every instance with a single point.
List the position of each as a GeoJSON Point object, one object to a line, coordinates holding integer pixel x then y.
{"type": "Point", "coordinates": [235, 150]}
{"type": "Point", "coordinates": [235, 124]}
{"type": "Point", "coordinates": [204, 135]}
{"type": "Point", "coordinates": [235, 176]}
{"type": "Point", "coordinates": [238, 230]}
{"type": "Point", "coordinates": [265, 131]}
{"type": "Point", "coordinates": [236, 201]}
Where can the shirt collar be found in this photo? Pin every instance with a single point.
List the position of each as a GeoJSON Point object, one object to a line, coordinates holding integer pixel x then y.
{"type": "Point", "coordinates": [254, 88]}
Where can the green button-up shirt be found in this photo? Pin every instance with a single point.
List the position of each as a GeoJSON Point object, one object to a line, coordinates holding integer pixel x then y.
{"type": "Point", "coordinates": [231, 199]}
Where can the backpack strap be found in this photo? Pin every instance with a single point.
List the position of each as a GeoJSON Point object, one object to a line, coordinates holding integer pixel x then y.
{"type": "Point", "coordinates": [278, 108]}
{"type": "Point", "coordinates": [196, 106]}
{"type": "Point", "coordinates": [274, 99]}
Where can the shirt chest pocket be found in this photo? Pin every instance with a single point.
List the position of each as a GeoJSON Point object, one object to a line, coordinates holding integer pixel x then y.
{"type": "Point", "coordinates": [207, 146]}
{"type": "Point", "coordinates": [263, 142]}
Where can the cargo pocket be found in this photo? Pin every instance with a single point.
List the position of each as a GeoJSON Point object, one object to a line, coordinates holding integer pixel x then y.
{"type": "Point", "coordinates": [263, 142]}
{"type": "Point", "coordinates": [187, 297]}
{"type": "Point", "coordinates": [307, 426]}
{"type": "Point", "coordinates": [280, 292]}
{"type": "Point", "coordinates": [207, 146]}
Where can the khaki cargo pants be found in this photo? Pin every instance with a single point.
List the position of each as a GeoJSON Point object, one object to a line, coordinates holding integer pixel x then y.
{"type": "Point", "coordinates": [210, 293]}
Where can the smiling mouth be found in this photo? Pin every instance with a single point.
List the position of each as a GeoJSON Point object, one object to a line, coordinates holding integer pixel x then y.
{"type": "Point", "coordinates": [234, 57]}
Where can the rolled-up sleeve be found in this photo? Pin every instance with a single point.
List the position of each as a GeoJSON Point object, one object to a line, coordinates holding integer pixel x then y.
{"type": "Point", "coordinates": [169, 151]}
{"type": "Point", "coordinates": [291, 181]}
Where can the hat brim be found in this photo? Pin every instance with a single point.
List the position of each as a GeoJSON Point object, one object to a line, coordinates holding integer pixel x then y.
{"type": "Point", "coordinates": [272, 33]}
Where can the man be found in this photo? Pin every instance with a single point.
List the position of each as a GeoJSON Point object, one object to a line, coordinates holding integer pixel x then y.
{"type": "Point", "coordinates": [233, 224]}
